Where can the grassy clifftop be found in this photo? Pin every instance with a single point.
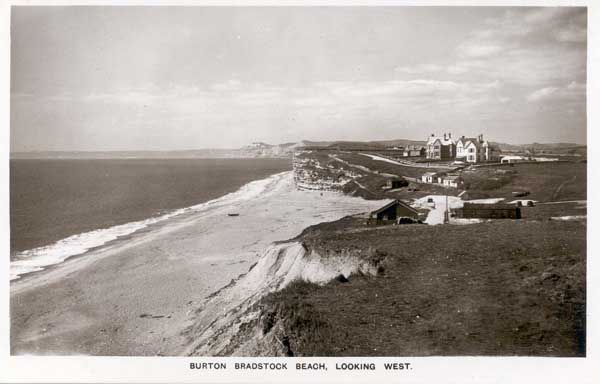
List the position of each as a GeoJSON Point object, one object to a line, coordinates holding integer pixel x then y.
{"type": "Point", "coordinates": [498, 288]}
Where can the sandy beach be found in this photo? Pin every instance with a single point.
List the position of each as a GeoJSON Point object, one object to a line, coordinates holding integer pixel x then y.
{"type": "Point", "coordinates": [136, 295]}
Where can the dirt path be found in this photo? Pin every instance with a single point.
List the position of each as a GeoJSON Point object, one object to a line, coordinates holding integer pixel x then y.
{"type": "Point", "coordinates": [560, 187]}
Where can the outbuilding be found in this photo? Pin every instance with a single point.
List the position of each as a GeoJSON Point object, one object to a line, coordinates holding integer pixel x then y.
{"type": "Point", "coordinates": [396, 183]}
{"type": "Point", "coordinates": [453, 181]}
{"type": "Point", "coordinates": [393, 212]}
{"type": "Point", "coordinates": [489, 211]}
{"type": "Point", "coordinates": [513, 159]}
{"type": "Point", "coordinates": [431, 177]}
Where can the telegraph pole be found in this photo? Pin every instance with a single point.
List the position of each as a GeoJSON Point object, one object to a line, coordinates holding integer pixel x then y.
{"type": "Point", "coordinates": [446, 213]}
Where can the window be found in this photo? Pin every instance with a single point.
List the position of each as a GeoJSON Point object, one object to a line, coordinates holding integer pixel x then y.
{"type": "Point", "coordinates": [471, 150]}
{"type": "Point", "coordinates": [437, 147]}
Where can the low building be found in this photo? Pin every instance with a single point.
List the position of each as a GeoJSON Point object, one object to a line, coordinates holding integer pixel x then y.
{"type": "Point", "coordinates": [452, 181]}
{"type": "Point", "coordinates": [392, 213]}
{"type": "Point", "coordinates": [396, 183]}
{"type": "Point", "coordinates": [513, 159]}
{"type": "Point", "coordinates": [491, 152]}
{"type": "Point", "coordinates": [430, 177]}
{"type": "Point", "coordinates": [413, 151]}
{"type": "Point", "coordinates": [488, 211]}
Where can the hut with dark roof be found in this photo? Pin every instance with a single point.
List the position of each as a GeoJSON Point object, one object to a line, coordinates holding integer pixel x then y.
{"type": "Point", "coordinates": [393, 213]}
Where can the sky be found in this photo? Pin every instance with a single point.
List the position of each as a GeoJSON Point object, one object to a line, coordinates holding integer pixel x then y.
{"type": "Point", "coordinates": [171, 78]}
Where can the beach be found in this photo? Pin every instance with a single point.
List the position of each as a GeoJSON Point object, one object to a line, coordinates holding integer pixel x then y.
{"type": "Point", "coordinates": [136, 295]}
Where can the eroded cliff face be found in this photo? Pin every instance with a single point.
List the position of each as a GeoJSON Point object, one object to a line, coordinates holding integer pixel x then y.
{"type": "Point", "coordinates": [234, 321]}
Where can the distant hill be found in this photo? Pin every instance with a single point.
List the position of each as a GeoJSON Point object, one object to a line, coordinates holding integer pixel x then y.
{"type": "Point", "coordinates": [265, 150]}
{"type": "Point", "coordinates": [400, 142]}
{"type": "Point", "coordinates": [546, 148]}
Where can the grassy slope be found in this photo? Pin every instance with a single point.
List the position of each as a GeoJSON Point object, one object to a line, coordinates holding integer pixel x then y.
{"type": "Point", "coordinates": [499, 288]}
{"type": "Point", "coordinates": [545, 181]}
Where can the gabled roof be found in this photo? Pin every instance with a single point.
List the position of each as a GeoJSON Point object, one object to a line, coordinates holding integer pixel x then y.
{"type": "Point", "coordinates": [475, 142]}
{"type": "Point", "coordinates": [433, 139]}
{"type": "Point", "coordinates": [391, 204]}
{"type": "Point", "coordinates": [429, 174]}
{"type": "Point", "coordinates": [465, 140]}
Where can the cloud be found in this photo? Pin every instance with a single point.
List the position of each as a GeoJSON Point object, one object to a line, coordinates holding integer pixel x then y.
{"type": "Point", "coordinates": [419, 69]}
{"type": "Point", "coordinates": [230, 85]}
{"type": "Point", "coordinates": [572, 34]}
{"type": "Point", "coordinates": [573, 91]}
{"type": "Point", "coordinates": [523, 46]}
{"type": "Point", "coordinates": [474, 49]}
{"type": "Point", "coordinates": [542, 94]}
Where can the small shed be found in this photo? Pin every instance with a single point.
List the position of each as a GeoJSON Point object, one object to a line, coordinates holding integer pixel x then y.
{"type": "Point", "coordinates": [453, 181]}
{"type": "Point", "coordinates": [489, 211]}
{"type": "Point", "coordinates": [396, 183]}
{"type": "Point", "coordinates": [513, 159]}
{"type": "Point", "coordinates": [430, 177]}
{"type": "Point", "coordinates": [393, 212]}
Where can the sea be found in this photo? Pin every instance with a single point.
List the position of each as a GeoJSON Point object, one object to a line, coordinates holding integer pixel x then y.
{"type": "Point", "coordinates": [63, 207]}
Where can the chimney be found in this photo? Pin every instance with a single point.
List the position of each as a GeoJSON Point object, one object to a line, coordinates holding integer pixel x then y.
{"type": "Point", "coordinates": [432, 135]}
{"type": "Point", "coordinates": [481, 138]}
{"type": "Point", "coordinates": [449, 135]}
{"type": "Point", "coordinates": [444, 136]}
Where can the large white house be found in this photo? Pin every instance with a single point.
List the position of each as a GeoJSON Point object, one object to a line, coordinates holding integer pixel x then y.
{"type": "Point", "coordinates": [475, 150]}
{"type": "Point", "coordinates": [440, 148]}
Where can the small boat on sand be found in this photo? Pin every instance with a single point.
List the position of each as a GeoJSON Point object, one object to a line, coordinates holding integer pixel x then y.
{"type": "Point", "coordinates": [233, 214]}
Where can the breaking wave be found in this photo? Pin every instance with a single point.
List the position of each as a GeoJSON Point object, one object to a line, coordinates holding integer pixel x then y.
{"type": "Point", "coordinates": [39, 258]}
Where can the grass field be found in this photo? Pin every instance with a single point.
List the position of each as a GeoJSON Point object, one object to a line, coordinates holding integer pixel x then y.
{"type": "Point", "coordinates": [499, 288]}
{"type": "Point", "coordinates": [549, 181]}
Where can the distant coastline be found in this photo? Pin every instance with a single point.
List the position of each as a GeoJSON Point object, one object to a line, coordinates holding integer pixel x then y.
{"type": "Point", "coordinates": [264, 150]}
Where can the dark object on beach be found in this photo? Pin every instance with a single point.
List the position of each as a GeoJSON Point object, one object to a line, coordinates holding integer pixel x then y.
{"type": "Point", "coordinates": [233, 214]}
{"type": "Point", "coordinates": [341, 278]}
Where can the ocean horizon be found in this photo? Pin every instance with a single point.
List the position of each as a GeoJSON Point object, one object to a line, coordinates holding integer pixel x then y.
{"type": "Point", "coordinates": [63, 208]}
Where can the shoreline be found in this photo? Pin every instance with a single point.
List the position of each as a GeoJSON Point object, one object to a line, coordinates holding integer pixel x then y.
{"type": "Point", "coordinates": [138, 294]}
{"type": "Point", "coordinates": [42, 258]}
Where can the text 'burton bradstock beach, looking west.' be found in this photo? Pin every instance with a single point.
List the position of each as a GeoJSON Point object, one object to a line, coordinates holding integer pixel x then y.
{"type": "Point", "coordinates": [298, 181]}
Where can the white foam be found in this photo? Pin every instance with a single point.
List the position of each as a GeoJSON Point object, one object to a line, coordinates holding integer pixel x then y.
{"type": "Point", "coordinates": [37, 259]}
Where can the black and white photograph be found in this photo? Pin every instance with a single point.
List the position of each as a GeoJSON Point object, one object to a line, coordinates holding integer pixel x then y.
{"type": "Point", "coordinates": [359, 184]}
